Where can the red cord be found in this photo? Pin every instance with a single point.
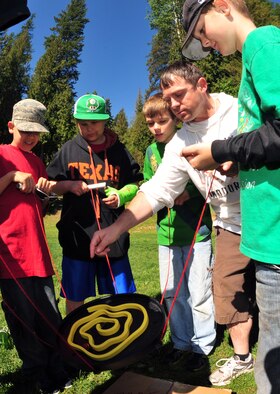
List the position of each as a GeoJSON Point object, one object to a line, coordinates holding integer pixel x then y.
{"type": "Point", "coordinates": [55, 331]}
{"type": "Point", "coordinates": [49, 252]}
{"type": "Point", "coordinates": [168, 268]}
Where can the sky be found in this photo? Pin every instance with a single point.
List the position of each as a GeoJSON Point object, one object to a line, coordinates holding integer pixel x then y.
{"type": "Point", "coordinates": [117, 43]}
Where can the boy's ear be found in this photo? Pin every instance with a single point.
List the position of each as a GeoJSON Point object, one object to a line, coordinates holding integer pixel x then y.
{"type": "Point", "coordinates": [11, 127]}
{"type": "Point", "coordinates": [222, 6]}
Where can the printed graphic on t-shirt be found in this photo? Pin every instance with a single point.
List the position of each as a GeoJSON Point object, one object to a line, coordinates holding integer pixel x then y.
{"type": "Point", "coordinates": [85, 171]}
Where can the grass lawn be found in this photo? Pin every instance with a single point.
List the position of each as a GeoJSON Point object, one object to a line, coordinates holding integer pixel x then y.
{"type": "Point", "coordinates": [143, 257]}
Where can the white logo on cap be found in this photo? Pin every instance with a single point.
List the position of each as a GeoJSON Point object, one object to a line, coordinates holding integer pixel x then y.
{"type": "Point", "coordinates": [92, 104]}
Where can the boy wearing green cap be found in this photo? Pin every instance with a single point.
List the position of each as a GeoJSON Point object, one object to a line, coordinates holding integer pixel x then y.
{"type": "Point", "coordinates": [95, 156]}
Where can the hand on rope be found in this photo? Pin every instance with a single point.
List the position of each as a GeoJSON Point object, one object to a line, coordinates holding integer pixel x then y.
{"type": "Point", "coordinates": [102, 238]}
{"type": "Point", "coordinates": [45, 186]}
{"type": "Point", "coordinates": [229, 168]}
{"type": "Point", "coordinates": [78, 187]}
{"type": "Point", "coordinates": [200, 156]}
{"type": "Point", "coordinates": [116, 198]}
{"type": "Point", "coordinates": [25, 180]}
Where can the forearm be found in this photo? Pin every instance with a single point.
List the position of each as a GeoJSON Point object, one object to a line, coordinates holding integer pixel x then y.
{"type": "Point", "coordinates": [6, 180]}
{"type": "Point", "coordinates": [61, 187]}
{"type": "Point", "coordinates": [136, 212]}
{"type": "Point", "coordinates": [253, 149]}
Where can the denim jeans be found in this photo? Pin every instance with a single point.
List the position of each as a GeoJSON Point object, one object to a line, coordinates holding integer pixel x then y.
{"type": "Point", "coordinates": [191, 322]}
{"type": "Point", "coordinates": [267, 368]}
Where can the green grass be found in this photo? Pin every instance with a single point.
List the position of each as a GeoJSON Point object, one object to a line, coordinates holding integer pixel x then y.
{"type": "Point", "coordinates": [144, 262]}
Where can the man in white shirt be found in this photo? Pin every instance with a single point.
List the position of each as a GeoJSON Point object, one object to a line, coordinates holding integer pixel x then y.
{"type": "Point", "coordinates": [206, 117]}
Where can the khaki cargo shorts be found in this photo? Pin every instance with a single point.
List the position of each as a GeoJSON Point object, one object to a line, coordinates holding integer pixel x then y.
{"type": "Point", "coordinates": [233, 280]}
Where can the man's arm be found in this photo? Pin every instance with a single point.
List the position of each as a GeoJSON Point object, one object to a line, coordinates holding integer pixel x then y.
{"type": "Point", "coordinates": [137, 212]}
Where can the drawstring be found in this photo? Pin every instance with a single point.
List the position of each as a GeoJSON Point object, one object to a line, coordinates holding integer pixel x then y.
{"type": "Point", "coordinates": [107, 174]}
{"type": "Point", "coordinates": [95, 201]}
{"type": "Point", "coordinates": [96, 208]}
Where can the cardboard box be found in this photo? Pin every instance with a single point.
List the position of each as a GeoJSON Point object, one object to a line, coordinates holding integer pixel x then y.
{"type": "Point", "coordinates": [133, 383]}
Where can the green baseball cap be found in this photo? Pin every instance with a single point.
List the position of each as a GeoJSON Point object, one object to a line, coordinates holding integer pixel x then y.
{"type": "Point", "coordinates": [90, 107]}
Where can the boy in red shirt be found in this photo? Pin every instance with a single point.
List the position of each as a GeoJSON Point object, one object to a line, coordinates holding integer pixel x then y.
{"type": "Point", "coordinates": [26, 271]}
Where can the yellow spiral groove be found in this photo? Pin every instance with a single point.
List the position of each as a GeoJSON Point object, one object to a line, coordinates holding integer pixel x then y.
{"type": "Point", "coordinates": [97, 317]}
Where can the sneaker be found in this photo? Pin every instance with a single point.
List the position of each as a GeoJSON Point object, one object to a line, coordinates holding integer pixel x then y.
{"type": "Point", "coordinates": [175, 357]}
{"type": "Point", "coordinates": [230, 369]}
{"type": "Point", "coordinates": [63, 386]}
{"type": "Point", "coordinates": [48, 389]}
{"type": "Point", "coordinates": [61, 379]}
{"type": "Point", "coordinates": [67, 385]}
{"type": "Point", "coordinates": [48, 386]}
{"type": "Point", "coordinates": [195, 362]}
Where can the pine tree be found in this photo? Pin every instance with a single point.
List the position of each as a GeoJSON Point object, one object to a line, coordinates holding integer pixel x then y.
{"type": "Point", "coordinates": [15, 56]}
{"type": "Point", "coordinates": [120, 126]}
{"type": "Point", "coordinates": [139, 136]}
{"type": "Point", "coordinates": [165, 19]}
{"type": "Point", "coordinates": [110, 121]}
{"type": "Point", "coordinates": [56, 74]}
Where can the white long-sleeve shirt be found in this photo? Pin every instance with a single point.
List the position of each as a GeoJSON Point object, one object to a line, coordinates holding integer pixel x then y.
{"type": "Point", "coordinates": [175, 171]}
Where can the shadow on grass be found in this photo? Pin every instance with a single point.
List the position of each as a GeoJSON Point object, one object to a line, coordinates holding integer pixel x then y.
{"type": "Point", "coordinates": [154, 366]}
{"type": "Point", "coordinates": [15, 383]}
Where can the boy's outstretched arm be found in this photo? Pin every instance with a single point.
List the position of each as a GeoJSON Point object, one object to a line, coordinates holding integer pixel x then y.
{"type": "Point", "coordinates": [138, 211]}
{"type": "Point", "coordinates": [254, 149]}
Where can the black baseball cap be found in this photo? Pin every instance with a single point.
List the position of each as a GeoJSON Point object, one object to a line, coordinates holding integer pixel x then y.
{"type": "Point", "coordinates": [192, 48]}
{"type": "Point", "coordinates": [13, 12]}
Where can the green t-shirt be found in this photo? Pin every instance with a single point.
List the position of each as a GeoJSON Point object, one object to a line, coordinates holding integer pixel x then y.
{"type": "Point", "coordinates": [178, 228]}
{"type": "Point", "coordinates": [259, 100]}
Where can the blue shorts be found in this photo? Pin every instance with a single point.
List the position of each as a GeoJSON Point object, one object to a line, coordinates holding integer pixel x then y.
{"type": "Point", "coordinates": [79, 277]}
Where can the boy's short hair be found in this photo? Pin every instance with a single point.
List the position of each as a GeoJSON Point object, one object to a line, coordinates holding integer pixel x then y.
{"type": "Point", "coordinates": [156, 105]}
{"type": "Point", "coordinates": [90, 107]}
{"type": "Point", "coordinates": [181, 69]}
{"type": "Point", "coordinates": [29, 116]}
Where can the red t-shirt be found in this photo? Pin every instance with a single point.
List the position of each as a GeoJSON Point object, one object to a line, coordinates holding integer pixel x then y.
{"type": "Point", "coordinates": [22, 243]}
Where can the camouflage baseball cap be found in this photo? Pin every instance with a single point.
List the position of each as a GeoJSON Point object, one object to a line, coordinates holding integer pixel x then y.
{"type": "Point", "coordinates": [90, 107]}
{"type": "Point", "coordinates": [29, 115]}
